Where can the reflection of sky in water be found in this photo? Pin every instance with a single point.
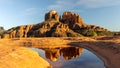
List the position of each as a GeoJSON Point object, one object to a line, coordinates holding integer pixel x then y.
{"type": "Point", "coordinates": [85, 60]}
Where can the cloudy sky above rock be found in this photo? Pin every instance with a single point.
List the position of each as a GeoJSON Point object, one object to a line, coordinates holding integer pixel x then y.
{"type": "Point", "coordinates": [105, 13]}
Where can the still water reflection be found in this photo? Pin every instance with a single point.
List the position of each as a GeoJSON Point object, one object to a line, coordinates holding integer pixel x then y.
{"type": "Point", "coordinates": [70, 57]}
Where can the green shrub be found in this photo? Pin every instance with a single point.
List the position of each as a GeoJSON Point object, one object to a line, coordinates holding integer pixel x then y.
{"type": "Point", "coordinates": [94, 34]}
{"type": "Point", "coordinates": [91, 33]}
{"type": "Point", "coordinates": [105, 33]}
{"type": "Point", "coordinates": [70, 34]}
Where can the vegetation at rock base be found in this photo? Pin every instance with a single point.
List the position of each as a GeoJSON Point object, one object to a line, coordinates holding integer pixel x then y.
{"type": "Point", "coordinates": [116, 33]}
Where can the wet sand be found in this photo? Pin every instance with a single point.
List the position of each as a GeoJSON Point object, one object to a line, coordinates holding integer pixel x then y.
{"type": "Point", "coordinates": [107, 48]}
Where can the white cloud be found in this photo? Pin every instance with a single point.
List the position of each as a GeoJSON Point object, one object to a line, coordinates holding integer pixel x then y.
{"type": "Point", "coordinates": [71, 4]}
{"type": "Point", "coordinates": [33, 11]}
{"type": "Point", "coordinates": [97, 3]}
{"type": "Point", "coordinates": [30, 11]}
{"type": "Point", "coordinates": [62, 5]}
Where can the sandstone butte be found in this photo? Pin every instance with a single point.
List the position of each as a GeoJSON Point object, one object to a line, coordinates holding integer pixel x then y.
{"type": "Point", "coordinates": [20, 57]}
{"type": "Point", "coordinates": [68, 25]}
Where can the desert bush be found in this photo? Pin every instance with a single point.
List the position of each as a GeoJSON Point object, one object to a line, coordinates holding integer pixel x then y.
{"type": "Point", "coordinates": [104, 33]}
{"type": "Point", "coordinates": [91, 33]}
{"type": "Point", "coordinates": [94, 33]}
{"type": "Point", "coordinates": [70, 34]}
{"type": "Point", "coordinates": [87, 32]}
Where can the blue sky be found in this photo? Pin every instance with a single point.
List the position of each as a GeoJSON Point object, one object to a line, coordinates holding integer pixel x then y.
{"type": "Point", "coordinates": [105, 13]}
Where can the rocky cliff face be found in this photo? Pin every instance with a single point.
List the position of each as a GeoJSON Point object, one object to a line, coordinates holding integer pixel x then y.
{"type": "Point", "coordinates": [18, 32]}
{"type": "Point", "coordinates": [69, 25]}
{"type": "Point", "coordinates": [72, 20]}
{"type": "Point", "coordinates": [50, 29]}
{"type": "Point", "coordinates": [52, 15]}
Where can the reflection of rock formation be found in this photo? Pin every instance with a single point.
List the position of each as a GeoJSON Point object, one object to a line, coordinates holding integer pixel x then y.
{"type": "Point", "coordinates": [68, 53]}
{"type": "Point", "coordinates": [72, 52]}
{"type": "Point", "coordinates": [52, 54]}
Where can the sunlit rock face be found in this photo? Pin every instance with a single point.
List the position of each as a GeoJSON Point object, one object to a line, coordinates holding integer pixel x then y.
{"type": "Point", "coordinates": [18, 32]}
{"type": "Point", "coordinates": [72, 19]}
{"type": "Point", "coordinates": [68, 25]}
{"type": "Point", "coordinates": [67, 53]}
{"type": "Point", "coordinates": [52, 15]}
{"type": "Point", "coordinates": [20, 57]}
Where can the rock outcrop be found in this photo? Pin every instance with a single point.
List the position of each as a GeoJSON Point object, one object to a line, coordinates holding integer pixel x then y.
{"type": "Point", "coordinates": [69, 25]}
{"type": "Point", "coordinates": [52, 15]}
{"type": "Point", "coordinates": [72, 20]}
{"type": "Point", "coordinates": [51, 29]}
{"type": "Point", "coordinates": [18, 32]}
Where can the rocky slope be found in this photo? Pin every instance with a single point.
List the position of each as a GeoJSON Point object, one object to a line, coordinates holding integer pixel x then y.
{"type": "Point", "coordinates": [67, 25]}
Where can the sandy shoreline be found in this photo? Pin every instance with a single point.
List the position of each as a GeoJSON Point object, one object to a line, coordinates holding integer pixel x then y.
{"type": "Point", "coordinates": [107, 48]}
{"type": "Point", "coordinates": [109, 54]}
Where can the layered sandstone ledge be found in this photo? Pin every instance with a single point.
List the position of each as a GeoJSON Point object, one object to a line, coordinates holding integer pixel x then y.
{"type": "Point", "coordinates": [20, 57]}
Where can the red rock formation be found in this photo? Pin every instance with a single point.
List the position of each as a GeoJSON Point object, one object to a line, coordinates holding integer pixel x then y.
{"type": "Point", "coordinates": [52, 15]}
{"type": "Point", "coordinates": [70, 24]}
{"type": "Point", "coordinates": [72, 19]}
{"type": "Point", "coordinates": [18, 32]}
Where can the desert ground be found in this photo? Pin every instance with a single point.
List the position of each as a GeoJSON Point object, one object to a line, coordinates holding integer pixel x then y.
{"type": "Point", "coordinates": [106, 48]}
